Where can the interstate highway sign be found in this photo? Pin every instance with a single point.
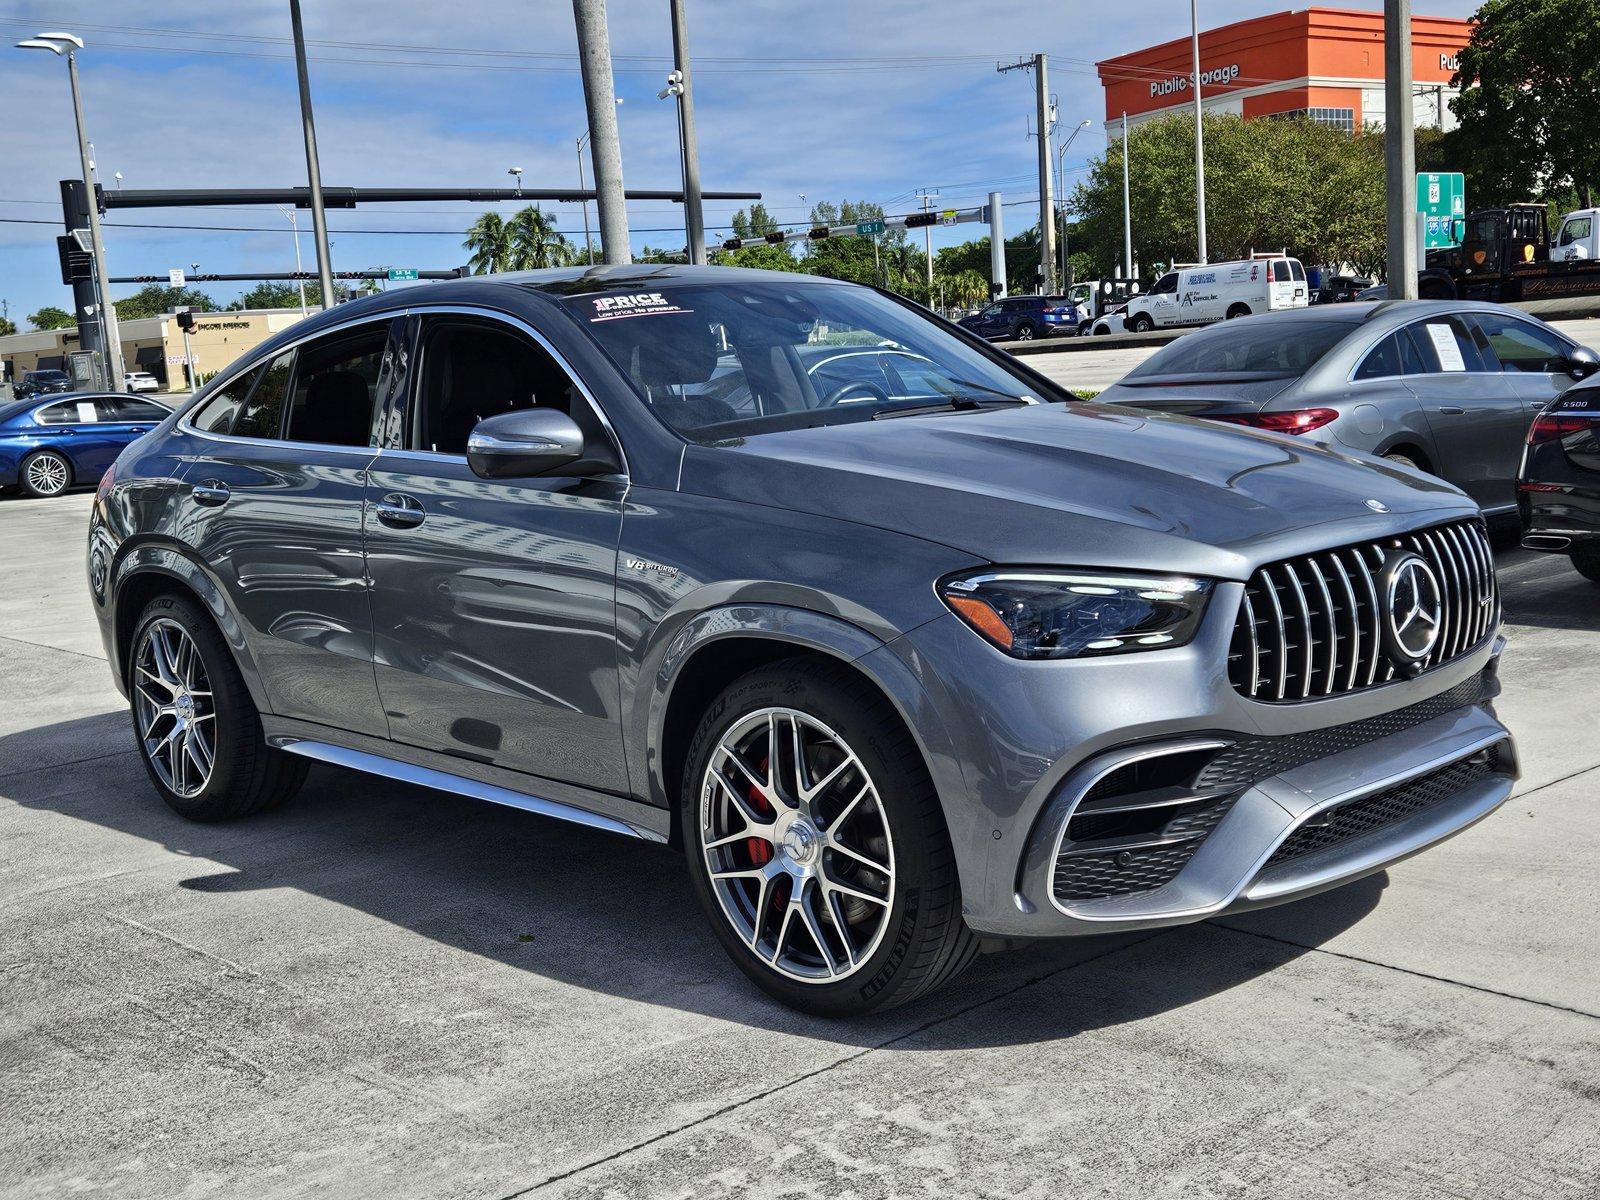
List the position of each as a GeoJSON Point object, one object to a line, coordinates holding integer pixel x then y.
{"type": "Point", "coordinates": [1441, 198]}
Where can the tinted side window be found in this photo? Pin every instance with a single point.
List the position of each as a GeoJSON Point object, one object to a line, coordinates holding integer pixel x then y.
{"type": "Point", "coordinates": [1447, 345]}
{"type": "Point", "coordinates": [216, 414]}
{"type": "Point", "coordinates": [65, 414]}
{"type": "Point", "coordinates": [336, 387]}
{"type": "Point", "coordinates": [1397, 354]}
{"type": "Point", "coordinates": [121, 409]}
{"type": "Point", "coordinates": [476, 369]}
{"type": "Point", "coordinates": [1521, 346]}
{"type": "Point", "coordinates": [262, 415]}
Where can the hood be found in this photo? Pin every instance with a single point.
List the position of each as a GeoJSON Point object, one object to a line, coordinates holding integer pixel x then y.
{"type": "Point", "coordinates": [1079, 484]}
{"type": "Point", "coordinates": [1178, 395]}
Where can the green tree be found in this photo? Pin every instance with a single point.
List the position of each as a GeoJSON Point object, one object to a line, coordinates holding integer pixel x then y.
{"type": "Point", "coordinates": [848, 257]}
{"type": "Point", "coordinates": [535, 242]}
{"type": "Point", "coordinates": [156, 298]}
{"type": "Point", "coordinates": [7, 327]}
{"type": "Point", "coordinates": [1530, 89]}
{"type": "Point", "coordinates": [757, 223]}
{"type": "Point", "coordinates": [50, 317]}
{"type": "Point", "coordinates": [489, 240]}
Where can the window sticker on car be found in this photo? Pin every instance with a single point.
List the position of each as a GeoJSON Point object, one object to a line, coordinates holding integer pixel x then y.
{"type": "Point", "coordinates": [644, 304]}
{"type": "Point", "coordinates": [86, 412]}
{"type": "Point", "coordinates": [1445, 346]}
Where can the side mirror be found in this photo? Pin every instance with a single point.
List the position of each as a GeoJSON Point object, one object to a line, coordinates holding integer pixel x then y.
{"type": "Point", "coordinates": [1582, 363]}
{"type": "Point", "coordinates": [530, 441]}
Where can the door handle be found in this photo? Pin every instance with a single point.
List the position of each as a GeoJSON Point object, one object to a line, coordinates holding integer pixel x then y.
{"type": "Point", "coordinates": [399, 511]}
{"type": "Point", "coordinates": [1450, 410]}
{"type": "Point", "coordinates": [210, 494]}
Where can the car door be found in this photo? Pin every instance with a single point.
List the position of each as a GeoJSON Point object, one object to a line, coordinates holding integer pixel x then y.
{"type": "Point", "coordinates": [275, 507]}
{"type": "Point", "coordinates": [1162, 302]}
{"type": "Point", "coordinates": [75, 428]}
{"type": "Point", "coordinates": [1534, 359]}
{"type": "Point", "coordinates": [990, 320]}
{"type": "Point", "coordinates": [494, 600]}
{"type": "Point", "coordinates": [1474, 413]}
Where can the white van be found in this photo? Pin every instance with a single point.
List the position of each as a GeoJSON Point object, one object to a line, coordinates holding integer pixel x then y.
{"type": "Point", "coordinates": [1219, 292]}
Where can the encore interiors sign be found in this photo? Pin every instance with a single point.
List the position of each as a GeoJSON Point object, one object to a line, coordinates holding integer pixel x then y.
{"type": "Point", "coordinates": [1180, 83]}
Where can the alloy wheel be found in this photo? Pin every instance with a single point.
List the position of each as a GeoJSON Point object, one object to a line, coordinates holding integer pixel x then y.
{"type": "Point", "coordinates": [797, 847]}
{"type": "Point", "coordinates": [47, 474]}
{"type": "Point", "coordinates": [174, 707]}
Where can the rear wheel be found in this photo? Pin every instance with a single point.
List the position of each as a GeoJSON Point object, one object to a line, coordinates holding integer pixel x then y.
{"type": "Point", "coordinates": [1588, 565]}
{"type": "Point", "coordinates": [1141, 323]}
{"type": "Point", "coordinates": [198, 731]}
{"type": "Point", "coordinates": [817, 846]}
{"type": "Point", "coordinates": [44, 474]}
{"type": "Point", "coordinates": [1237, 311]}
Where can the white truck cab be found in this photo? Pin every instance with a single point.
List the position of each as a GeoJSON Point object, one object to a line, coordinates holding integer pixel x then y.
{"type": "Point", "coordinates": [1200, 295]}
{"type": "Point", "coordinates": [1578, 237]}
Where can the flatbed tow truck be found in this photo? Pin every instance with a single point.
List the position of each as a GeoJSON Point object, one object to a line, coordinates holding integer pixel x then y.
{"type": "Point", "coordinates": [1506, 255]}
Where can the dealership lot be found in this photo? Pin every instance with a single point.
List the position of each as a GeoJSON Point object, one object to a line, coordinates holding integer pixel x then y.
{"type": "Point", "coordinates": [381, 991]}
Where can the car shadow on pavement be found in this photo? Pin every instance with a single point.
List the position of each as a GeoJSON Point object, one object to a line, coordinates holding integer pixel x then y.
{"type": "Point", "coordinates": [589, 910]}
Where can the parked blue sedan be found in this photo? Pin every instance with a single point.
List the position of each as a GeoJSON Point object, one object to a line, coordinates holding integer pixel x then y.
{"type": "Point", "coordinates": [49, 444]}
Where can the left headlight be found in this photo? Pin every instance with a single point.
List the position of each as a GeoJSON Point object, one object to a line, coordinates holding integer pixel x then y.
{"type": "Point", "coordinates": [1077, 614]}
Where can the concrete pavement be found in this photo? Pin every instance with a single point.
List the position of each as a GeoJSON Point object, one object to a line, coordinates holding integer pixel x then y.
{"type": "Point", "coordinates": [380, 991]}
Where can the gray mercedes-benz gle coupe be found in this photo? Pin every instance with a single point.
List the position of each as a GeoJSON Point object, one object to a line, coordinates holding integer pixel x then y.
{"type": "Point", "coordinates": [905, 656]}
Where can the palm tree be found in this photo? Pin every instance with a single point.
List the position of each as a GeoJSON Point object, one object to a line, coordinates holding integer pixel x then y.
{"type": "Point", "coordinates": [489, 239]}
{"type": "Point", "coordinates": [535, 242]}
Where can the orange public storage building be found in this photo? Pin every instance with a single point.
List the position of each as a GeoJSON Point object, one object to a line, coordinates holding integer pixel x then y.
{"type": "Point", "coordinates": [1325, 63]}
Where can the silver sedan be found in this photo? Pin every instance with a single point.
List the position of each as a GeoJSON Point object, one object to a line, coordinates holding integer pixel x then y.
{"type": "Point", "coordinates": [1446, 386]}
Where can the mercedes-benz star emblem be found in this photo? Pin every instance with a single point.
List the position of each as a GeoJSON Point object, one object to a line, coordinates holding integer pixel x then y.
{"type": "Point", "coordinates": [1377, 506]}
{"type": "Point", "coordinates": [1413, 609]}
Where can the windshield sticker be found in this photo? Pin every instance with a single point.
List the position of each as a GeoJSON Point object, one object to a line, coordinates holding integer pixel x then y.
{"type": "Point", "coordinates": [644, 304]}
{"type": "Point", "coordinates": [1444, 345]}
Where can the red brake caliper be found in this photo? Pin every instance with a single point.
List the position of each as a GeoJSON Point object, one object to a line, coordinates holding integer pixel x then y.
{"type": "Point", "coordinates": [760, 849]}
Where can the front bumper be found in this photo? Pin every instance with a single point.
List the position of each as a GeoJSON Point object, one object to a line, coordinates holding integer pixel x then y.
{"type": "Point", "coordinates": [1032, 740]}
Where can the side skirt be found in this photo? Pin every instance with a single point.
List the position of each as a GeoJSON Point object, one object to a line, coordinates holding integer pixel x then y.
{"type": "Point", "coordinates": [463, 777]}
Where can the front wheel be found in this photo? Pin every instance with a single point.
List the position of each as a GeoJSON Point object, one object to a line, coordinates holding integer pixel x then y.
{"type": "Point", "coordinates": [45, 474]}
{"type": "Point", "coordinates": [1141, 323]}
{"type": "Point", "coordinates": [1023, 332]}
{"type": "Point", "coordinates": [1588, 565]}
{"type": "Point", "coordinates": [817, 846]}
{"type": "Point", "coordinates": [198, 731]}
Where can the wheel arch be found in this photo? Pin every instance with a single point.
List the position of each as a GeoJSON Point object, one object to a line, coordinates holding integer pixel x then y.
{"type": "Point", "coordinates": [148, 569]}
{"type": "Point", "coordinates": [717, 646]}
{"type": "Point", "coordinates": [1411, 446]}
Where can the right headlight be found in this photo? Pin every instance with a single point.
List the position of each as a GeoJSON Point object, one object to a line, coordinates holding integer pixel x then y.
{"type": "Point", "coordinates": [1078, 614]}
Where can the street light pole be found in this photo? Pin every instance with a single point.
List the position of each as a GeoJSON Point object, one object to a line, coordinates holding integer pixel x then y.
{"type": "Point", "coordinates": [1061, 196]}
{"type": "Point", "coordinates": [294, 227]}
{"type": "Point", "coordinates": [319, 219]}
{"type": "Point", "coordinates": [110, 337]}
{"type": "Point", "coordinates": [1199, 134]}
{"type": "Point", "coordinates": [588, 239]}
{"type": "Point", "coordinates": [694, 216]}
{"type": "Point", "coordinates": [1400, 165]}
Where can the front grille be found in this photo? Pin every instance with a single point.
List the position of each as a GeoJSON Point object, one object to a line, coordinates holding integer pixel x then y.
{"type": "Point", "coordinates": [1371, 813]}
{"type": "Point", "coordinates": [1312, 626]}
{"type": "Point", "coordinates": [1095, 866]}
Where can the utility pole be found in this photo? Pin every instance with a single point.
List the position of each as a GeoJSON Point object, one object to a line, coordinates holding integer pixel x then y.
{"type": "Point", "coordinates": [693, 217]}
{"type": "Point", "coordinates": [927, 238]}
{"type": "Point", "coordinates": [1047, 221]}
{"type": "Point", "coordinates": [997, 247]}
{"type": "Point", "coordinates": [319, 219]}
{"type": "Point", "coordinates": [1127, 208]}
{"type": "Point", "coordinates": [599, 94]}
{"type": "Point", "coordinates": [1400, 158]}
{"type": "Point", "coordinates": [1199, 135]}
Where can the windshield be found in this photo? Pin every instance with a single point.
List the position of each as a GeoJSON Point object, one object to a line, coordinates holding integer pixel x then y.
{"type": "Point", "coordinates": [1260, 349]}
{"type": "Point", "coordinates": [45, 376]}
{"type": "Point", "coordinates": [733, 359]}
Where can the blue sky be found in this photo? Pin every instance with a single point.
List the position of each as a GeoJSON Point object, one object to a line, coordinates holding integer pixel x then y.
{"type": "Point", "coordinates": [186, 95]}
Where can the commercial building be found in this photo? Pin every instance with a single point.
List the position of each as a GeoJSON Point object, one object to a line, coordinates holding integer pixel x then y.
{"type": "Point", "coordinates": [154, 344]}
{"type": "Point", "coordinates": [1324, 63]}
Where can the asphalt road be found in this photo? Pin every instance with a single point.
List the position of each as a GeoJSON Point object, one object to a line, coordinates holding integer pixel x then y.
{"type": "Point", "coordinates": [384, 992]}
{"type": "Point", "coordinates": [1097, 369]}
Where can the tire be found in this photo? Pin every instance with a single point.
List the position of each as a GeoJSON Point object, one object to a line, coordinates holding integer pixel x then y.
{"type": "Point", "coordinates": [1404, 460]}
{"type": "Point", "coordinates": [1237, 311]}
{"type": "Point", "coordinates": [245, 775]}
{"type": "Point", "coordinates": [907, 942]}
{"type": "Point", "coordinates": [1023, 332]}
{"type": "Point", "coordinates": [1141, 323]}
{"type": "Point", "coordinates": [1588, 565]}
{"type": "Point", "coordinates": [44, 474]}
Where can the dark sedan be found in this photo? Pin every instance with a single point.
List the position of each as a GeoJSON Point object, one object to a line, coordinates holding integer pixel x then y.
{"type": "Point", "coordinates": [50, 445]}
{"type": "Point", "coordinates": [1447, 387]}
{"type": "Point", "coordinates": [43, 383]}
{"type": "Point", "coordinates": [1558, 492]}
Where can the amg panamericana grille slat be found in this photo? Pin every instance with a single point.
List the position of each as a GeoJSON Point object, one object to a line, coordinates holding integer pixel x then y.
{"type": "Point", "coordinates": [1313, 626]}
